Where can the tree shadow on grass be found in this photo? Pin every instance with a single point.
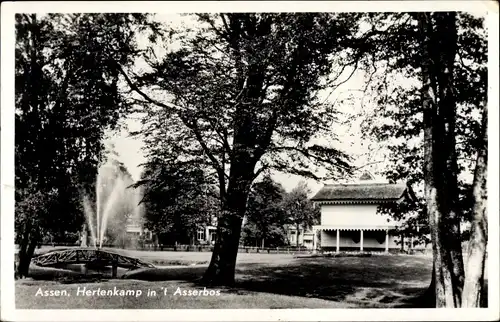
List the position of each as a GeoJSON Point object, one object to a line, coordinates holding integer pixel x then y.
{"type": "Point", "coordinates": [424, 301]}
{"type": "Point", "coordinates": [369, 282]}
{"type": "Point", "coordinates": [186, 273]}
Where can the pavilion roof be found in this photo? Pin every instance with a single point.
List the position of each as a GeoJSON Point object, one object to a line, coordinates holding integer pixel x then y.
{"type": "Point", "coordinates": [361, 192]}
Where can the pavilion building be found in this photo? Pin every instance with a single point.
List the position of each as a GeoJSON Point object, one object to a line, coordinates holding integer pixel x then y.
{"type": "Point", "coordinates": [349, 217]}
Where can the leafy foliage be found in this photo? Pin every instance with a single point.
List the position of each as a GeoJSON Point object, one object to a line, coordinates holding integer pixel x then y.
{"type": "Point", "coordinates": [251, 75]}
{"type": "Point", "coordinates": [178, 200]}
{"type": "Point", "coordinates": [301, 212]}
{"type": "Point", "coordinates": [240, 92]}
{"type": "Point", "coordinates": [397, 119]}
{"type": "Point", "coordinates": [67, 95]}
{"type": "Point", "coordinates": [265, 215]}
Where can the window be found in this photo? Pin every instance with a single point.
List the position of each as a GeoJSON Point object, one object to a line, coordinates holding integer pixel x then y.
{"type": "Point", "coordinates": [200, 235]}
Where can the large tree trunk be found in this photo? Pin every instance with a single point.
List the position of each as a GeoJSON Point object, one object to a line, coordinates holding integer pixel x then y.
{"type": "Point", "coordinates": [28, 245]}
{"type": "Point", "coordinates": [222, 265]}
{"type": "Point", "coordinates": [474, 272]}
{"type": "Point", "coordinates": [23, 249]}
{"type": "Point", "coordinates": [451, 238]}
{"type": "Point", "coordinates": [439, 47]}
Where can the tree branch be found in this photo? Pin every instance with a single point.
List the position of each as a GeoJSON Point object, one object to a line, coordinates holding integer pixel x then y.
{"type": "Point", "coordinates": [309, 155]}
{"type": "Point", "coordinates": [367, 164]}
{"type": "Point", "coordinates": [259, 171]}
{"type": "Point", "coordinates": [212, 24]}
{"type": "Point", "coordinates": [192, 126]}
{"type": "Point", "coordinates": [132, 85]}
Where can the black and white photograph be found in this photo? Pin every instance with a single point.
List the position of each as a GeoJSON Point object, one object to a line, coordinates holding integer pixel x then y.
{"type": "Point", "coordinates": [329, 157]}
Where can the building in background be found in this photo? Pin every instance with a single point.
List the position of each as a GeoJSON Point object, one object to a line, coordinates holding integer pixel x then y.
{"type": "Point", "coordinates": [349, 217]}
{"type": "Point", "coordinates": [135, 228]}
{"type": "Point", "coordinates": [305, 237]}
{"type": "Point", "coordinates": [206, 234]}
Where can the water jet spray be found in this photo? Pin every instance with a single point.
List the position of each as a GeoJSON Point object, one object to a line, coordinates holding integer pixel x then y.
{"type": "Point", "coordinates": [114, 199]}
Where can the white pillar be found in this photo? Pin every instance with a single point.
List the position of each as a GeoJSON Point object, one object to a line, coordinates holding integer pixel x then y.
{"type": "Point", "coordinates": [361, 240]}
{"type": "Point", "coordinates": [338, 240]}
{"type": "Point", "coordinates": [387, 240]}
{"type": "Point", "coordinates": [207, 232]}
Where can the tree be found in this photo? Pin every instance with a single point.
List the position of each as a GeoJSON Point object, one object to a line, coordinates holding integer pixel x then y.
{"type": "Point", "coordinates": [436, 119]}
{"type": "Point", "coordinates": [476, 259]}
{"type": "Point", "coordinates": [265, 215]}
{"type": "Point", "coordinates": [397, 123]}
{"type": "Point", "coordinates": [242, 90]}
{"type": "Point", "coordinates": [66, 97]}
{"type": "Point", "coordinates": [179, 199]}
{"type": "Point", "coordinates": [31, 202]}
{"type": "Point", "coordinates": [300, 210]}
{"type": "Point", "coordinates": [440, 169]}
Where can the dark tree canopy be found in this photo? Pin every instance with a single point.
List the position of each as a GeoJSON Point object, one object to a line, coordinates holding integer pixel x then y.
{"type": "Point", "coordinates": [67, 96]}
{"type": "Point", "coordinates": [300, 210]}
{"type": "Point", "coordinates": [178, 199]}
{"type": "Point", "coordinates": [252, 75]}
{"type": "Point", "coordinates": [265, 214]}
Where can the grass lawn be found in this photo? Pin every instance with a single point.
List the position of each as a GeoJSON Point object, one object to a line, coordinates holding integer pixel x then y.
{"type": "Point", "coordinates": [262, 281]}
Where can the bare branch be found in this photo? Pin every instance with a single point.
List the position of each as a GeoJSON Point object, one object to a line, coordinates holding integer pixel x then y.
{"type": "Point", "coordinates": [224, 21]}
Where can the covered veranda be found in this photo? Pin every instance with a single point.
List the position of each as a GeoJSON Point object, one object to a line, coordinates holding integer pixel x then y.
{"type": "Point", "coordinates": [354, 237]}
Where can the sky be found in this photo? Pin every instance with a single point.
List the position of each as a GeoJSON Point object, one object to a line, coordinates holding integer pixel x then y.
{"type": "Point", "coordinates": [130, 148]}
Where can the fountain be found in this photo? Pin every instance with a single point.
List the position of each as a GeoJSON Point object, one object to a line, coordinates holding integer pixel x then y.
{"type": "Point", "coordinates": [115, 203]}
